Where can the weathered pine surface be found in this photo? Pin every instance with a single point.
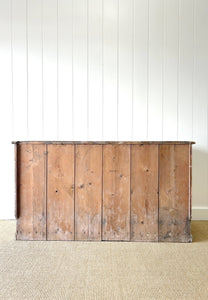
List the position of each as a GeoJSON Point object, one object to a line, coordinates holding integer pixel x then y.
{"type": "Point", "coordinates": [88, 192]}
{"type": "Point", "coordinates": [116, 192]}
{"type": "Point", "coordinates": [31, 192]}
{"type": "Point", "coordinates": [110, 191]}
{"type": "Point", "coordinates": [60, 192]}
{"type": "Point", "coordinates": [174, 178]}
{"type": "Point", "coordinates": [144, 193]}
{"type": "Point", "coordinates": [103, 142]}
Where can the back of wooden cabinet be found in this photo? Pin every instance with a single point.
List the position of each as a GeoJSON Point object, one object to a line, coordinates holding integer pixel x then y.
{"type": "Point", "coordinates": [108, 192]}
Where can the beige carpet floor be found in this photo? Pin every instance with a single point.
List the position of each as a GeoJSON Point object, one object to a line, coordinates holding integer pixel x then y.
{"type": "Point", "coordinates": [103, 270]}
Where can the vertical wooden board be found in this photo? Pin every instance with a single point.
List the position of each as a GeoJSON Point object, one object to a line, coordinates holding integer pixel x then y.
{"type": "Point", "coordinates": [155, 69]}
{"type": "Point", "coordinates": [144, 193]}
{"type": "Point", "coordinates": [110, 71]}
{"type": "Point", "coordinates": [60, 192]}
{"type": "Point", "coordinates": [31, 192]}
{"type": "Point", "coordinates": [88, 192]}
{"type": "Point", "coordinates": [140, 69]}
{"type": "Point", "coordinates": [174, 197]}
{"type": "Point", "coordinates": [190, 185]}
{"type": "Point", "coordinates": [125, 70]}
{"type": "Point", "coordinates": [34, 46]}
{"type": "Point", "coordinates": [116, 192]}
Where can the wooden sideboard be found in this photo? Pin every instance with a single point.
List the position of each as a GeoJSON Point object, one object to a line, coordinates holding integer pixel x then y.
{"type": "Point", "coordinates": [104, 191]}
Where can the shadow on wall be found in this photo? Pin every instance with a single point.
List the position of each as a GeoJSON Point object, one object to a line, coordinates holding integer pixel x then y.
{"type": "Point", "coordinates": [199, 177]}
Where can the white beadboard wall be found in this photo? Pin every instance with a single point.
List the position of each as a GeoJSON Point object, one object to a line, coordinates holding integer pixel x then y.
{"type": "Point", "coordinates": [104, 70]}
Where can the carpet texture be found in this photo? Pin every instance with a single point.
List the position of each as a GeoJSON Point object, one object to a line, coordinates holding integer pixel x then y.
{"type": "Point", "coordinates": [103, 270]}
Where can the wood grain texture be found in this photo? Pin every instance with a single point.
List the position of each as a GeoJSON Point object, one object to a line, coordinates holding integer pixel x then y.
{"type": "Point", "coordinates": [144, 193]}
{"type": "Point", "coordinates": [60, 192]}
{"type": "Point", "coordinates": [105, 142]}
{"type": "Point", "coordinates": [116, 192]}
{"type": "Point", "coordinates": [103, 192]}
{"type": "Point", "coordinates": [31, 193]}
{"type": "Point", "coordinates": [190, 185]}
{"type": "Point", "coordinates": [174, 193]}
{"type": "Point", "coordinates": [88, 192]}
{"type": "Point", "coordinates": [16, 208]}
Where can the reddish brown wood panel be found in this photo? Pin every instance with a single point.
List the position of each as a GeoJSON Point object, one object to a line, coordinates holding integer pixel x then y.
{"type": "Point", "coordinates": [174, 193]}
{"type": "Point", "coordinates": [116, 192]}
{"type": "Point", "coordinates": [190, 185]}
{"type": "Point", "coordinates": [103, 142]}
{"type": "Point", "coordinates": [31, 192]}
{"type": "Point", "coordinates": [88, 192]}
{"type": "Point", "coordinates": [60, 192]}
{"type": "Point", "coordinates": [144, 193]}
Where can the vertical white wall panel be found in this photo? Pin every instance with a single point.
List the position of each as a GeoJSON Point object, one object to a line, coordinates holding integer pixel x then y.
{"type": "Point", "coordinates": [170, 69]}
{"type": "Point", "coordinates": [50, 60]}
{"type": "Point", "coordinates": [125, 70]}
{"type": "Point", "coordinates": [65, 62]}
{"type": "Point", "coordinates": [155, 96]}
{"type": "Point", "coordinates": [95, 69]}
{"type": "Point", "coordinates": [6, 149]}
{"type": "Point", "coordinates": [110, 72]}
{"type": "Point", "coordinates": [185, 79]}
{"type": "Point", "coordinates": [200, 105]}
{"type": "Point", "coordinates": [140, 68]}
{"type": "Point", "coordinates": [104, 69]}
{"type": "Point", "coordinates": [34, 47]}
{"type": "Point", "coordinates": [80, 91]}
{"type": "Point", "coordinates": [19, 73]}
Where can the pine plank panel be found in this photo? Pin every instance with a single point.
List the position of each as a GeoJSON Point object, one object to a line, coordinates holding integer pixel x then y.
{"type": "Point", "coordinates": [31, 192]}
{"type": "Point", "coordinates": [60, 192]}
{"type": "Point", "coordinates": [88, 192]}
{"type": "Point", "coordinates": [174, 193]}
{"type": "Point", "coordinates": [144, 193]}
{"type": "Point", "coordinates": [116, 192]}
{"type": "Point", "coordinates": [103, 143]}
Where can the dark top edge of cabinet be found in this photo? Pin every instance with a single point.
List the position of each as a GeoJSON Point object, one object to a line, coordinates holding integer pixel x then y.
{"type": "Point", "coordinates": [104, 142]}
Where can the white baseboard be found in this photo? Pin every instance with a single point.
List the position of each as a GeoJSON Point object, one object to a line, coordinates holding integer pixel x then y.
{"type": "Point", "coordinates": [200, 213]}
